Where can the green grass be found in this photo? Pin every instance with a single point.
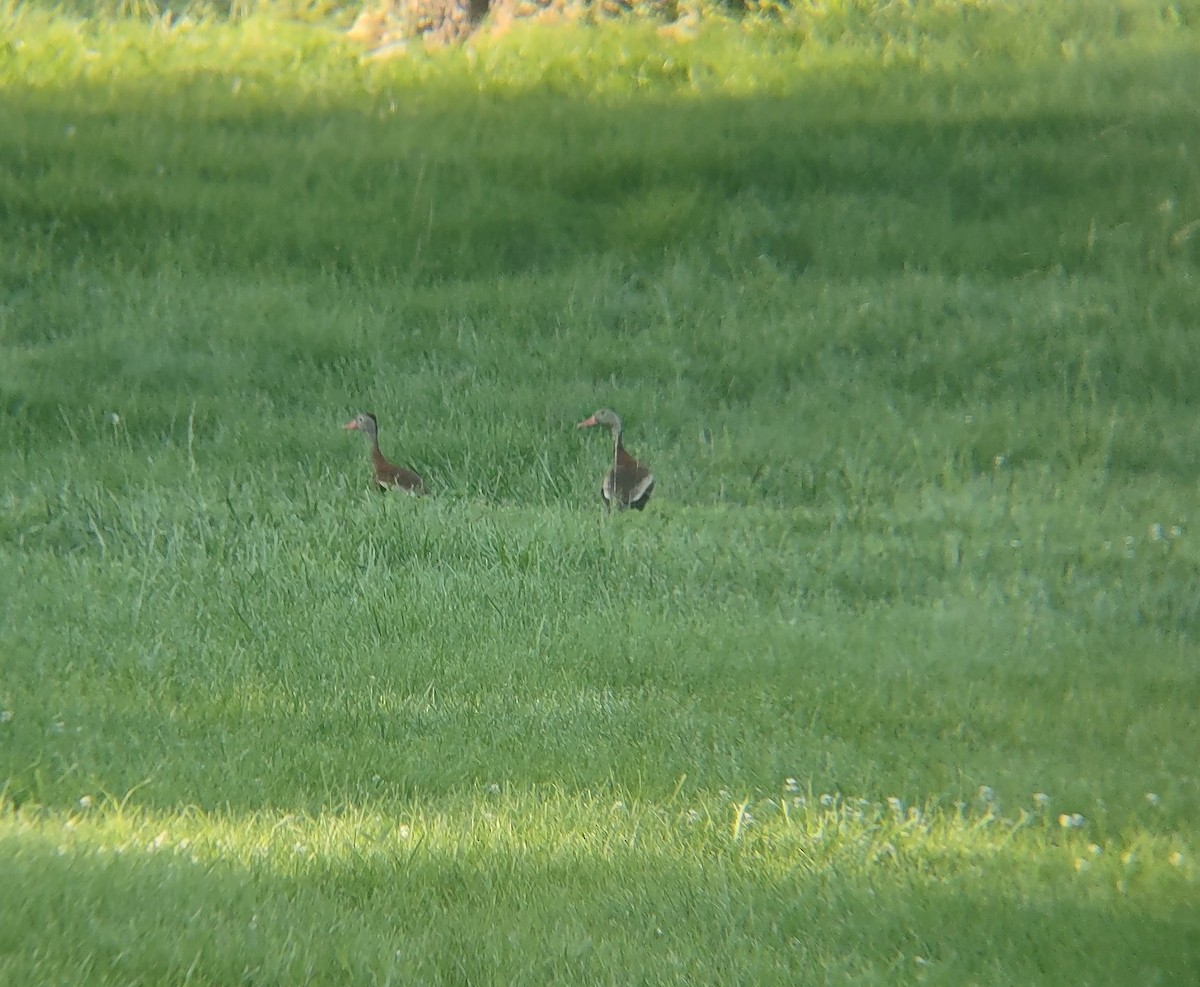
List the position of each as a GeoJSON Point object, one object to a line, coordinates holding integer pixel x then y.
{"type": "Point", "coordinates": [900, 303]}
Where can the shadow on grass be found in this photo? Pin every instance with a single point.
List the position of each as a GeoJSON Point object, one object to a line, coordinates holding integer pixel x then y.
{"type": "Point", "coordinates": [841, 177]}
{"type": "Point", "coordinates": [424, 202]}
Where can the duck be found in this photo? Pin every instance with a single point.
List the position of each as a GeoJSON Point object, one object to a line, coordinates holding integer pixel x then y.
{"type": "Point", "coordinates": [388, 476]}
{"type": "Point", "coordinates": [629, 483]}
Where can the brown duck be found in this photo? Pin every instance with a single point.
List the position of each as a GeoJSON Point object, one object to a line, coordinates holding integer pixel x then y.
{"type": "Point", "coordinates": [388, 476]}
{"type": "Point", "coordinates": [629, 483]}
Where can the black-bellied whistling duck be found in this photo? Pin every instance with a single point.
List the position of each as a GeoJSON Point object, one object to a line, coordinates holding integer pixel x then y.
{"type": "Point", "coordinates": [388, 476]}
{"type": "Point", "coordinates": [629, 483]}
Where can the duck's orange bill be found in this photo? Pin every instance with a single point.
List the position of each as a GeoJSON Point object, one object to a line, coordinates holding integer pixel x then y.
{"type": "Point", "coordinates": [587, 422]}
{"type": "Point", "coordinates": [353, 424]}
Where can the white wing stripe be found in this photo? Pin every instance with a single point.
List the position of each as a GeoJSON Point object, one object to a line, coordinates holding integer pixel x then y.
{"type": "Point", "coordinates": [646, 482]}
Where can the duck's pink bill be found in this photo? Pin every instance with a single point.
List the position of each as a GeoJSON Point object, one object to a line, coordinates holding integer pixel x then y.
{"type": "Point", "coordinates": [587, 422]}
{"type": "Point", "coordinates": [353, 424]}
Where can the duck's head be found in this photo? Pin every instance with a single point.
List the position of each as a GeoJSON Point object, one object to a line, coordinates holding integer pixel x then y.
{"type": "Point", "coordinates": [606, 417]}
{"type": "Point", "coordinates": [364, 421]}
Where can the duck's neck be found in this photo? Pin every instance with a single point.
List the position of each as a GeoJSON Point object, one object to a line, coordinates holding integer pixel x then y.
{"type": "Point", "coordinates": [617, 447]}
{"type": "Point", "coordinates": [373, 438]}
{"type": "Point", "coordinates": [376, 454]}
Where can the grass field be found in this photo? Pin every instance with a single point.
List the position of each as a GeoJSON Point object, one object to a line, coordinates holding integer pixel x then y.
{"type": "Point", "coordinates": [895, 681]}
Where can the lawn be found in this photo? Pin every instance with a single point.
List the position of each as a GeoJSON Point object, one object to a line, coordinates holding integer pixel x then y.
{"type": "Point", "coordinates": [895, 680]}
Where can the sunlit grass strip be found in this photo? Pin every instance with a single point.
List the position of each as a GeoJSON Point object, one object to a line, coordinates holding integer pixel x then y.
{"type": "Point", "coordinates": [545, 885]}
{"type": "Point", "coordinates": [785, 834]}
{"type": "Point", "coordinates": [261, 53]}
